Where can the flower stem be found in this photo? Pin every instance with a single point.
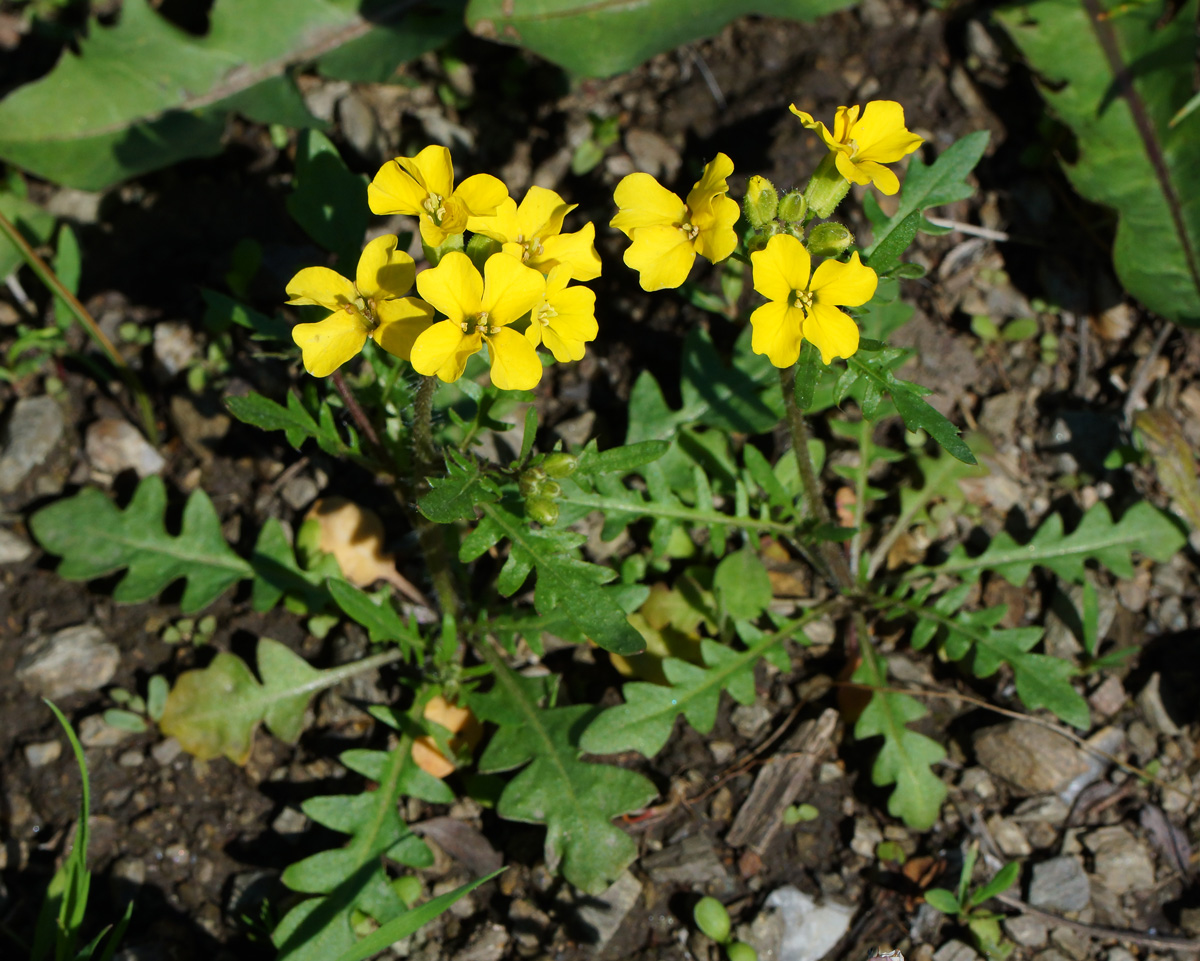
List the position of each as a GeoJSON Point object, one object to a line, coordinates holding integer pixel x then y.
{"type": "Point", "coordinates": [431, 536]}
{"type": "Point", "coordinates": [366, 428]}
{"type": "Point", "coordinates": [48, 277]}
{"type": "Point", "coordinates": [814, 501]}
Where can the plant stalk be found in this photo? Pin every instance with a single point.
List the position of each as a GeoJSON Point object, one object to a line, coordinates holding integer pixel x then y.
{"type": "Point", "coordinates": [48, 277]}
{"type": "Point", "coordinates": [431, 536]}
{"type": "Point", "coordinates": [814, 501]}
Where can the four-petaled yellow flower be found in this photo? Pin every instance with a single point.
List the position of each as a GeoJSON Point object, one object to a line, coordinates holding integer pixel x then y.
{"type": "Point", "coordinates": [804, 304]}
{"type": "Point", "coordinates": [862, 145]}
{"type": "Point", "coordinates": [533, 233]}
{"type": "Point", "coordinates": [565, 319]}
{"type": "Point", "coordinates": [372, 306]}
{"type": "Point", "coordinates": [479, 310]}
{"type": "Point", "coordinates": [667, 234]}
{"type": "Point", "coordinates": [423, 186]}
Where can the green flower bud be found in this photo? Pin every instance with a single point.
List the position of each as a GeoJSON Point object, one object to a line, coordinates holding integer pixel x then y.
{"type": "Point", "coordinates": [741, 951]}
{"type": "Point", "coordinates": [712, 918]}
{"type": "Point", "coordinates": [827, 188]}
{"type": "Point", "coordinates": [757, 239]}
{"type": "Point", "coordinates": [560, 464]}
{"type": "Point", "coordinates": [551, 489]}
{"type": "Point", "coordinates": [793, 207]}
{"type": "Point", "coordinates": [541, 509]}
{"type": "Point", "coordinates": [761, 201]}
{"type": "Point", "coordinates": [531, 480]}
{"type": "Point", "coordinates": [829, 240]}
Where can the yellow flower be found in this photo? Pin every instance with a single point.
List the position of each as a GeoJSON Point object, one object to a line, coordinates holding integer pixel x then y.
{"type": "Point", "coordinates": [373, 306]}
{"type": "Point", "coordinates": [804, 307]}
{"type": "Point", "coordinates": [423, 186]}
{"type": "Point", "coordinates": [667, 234]}
{"type": "Point", "coordinates": [533, 232]}
{"type": "Point", "coordinates": [479, 310]}
{"type": "Point", "coordinates": [565, 319]}
{"type": "Point", "coordinates": [862, 145]}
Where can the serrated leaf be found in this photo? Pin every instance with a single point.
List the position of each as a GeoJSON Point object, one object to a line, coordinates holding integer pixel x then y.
{"type": "Point", "coordinates": [574, 799]}
{"type": "Point", "coordinates": [383, 623]}
{"type": "Point", "coordinates": [1142, 528]}
{"type": "Point", "coordinates": [906, 758]}
{"type": "Point", "coordinates": [95, 537]}
{"type": "Point", "coordinates": [564, 581]}
{"type": "Point", "coordinates": [621, 460]}
{"type": "Point", "coordinates": [455, 496]}
{"type": "Point", "coordinates": [294, 420]}
{"type": "Point", "coordinates": [742, 585]}
{"type": "Point", "coordinates": [215, 711]}
{"type": "Point", "coordinates": [599, 40]}
{"type": "Point", "coordinates": [1119, 82]}
{"type": "Point", "coordinates": [942, 182]}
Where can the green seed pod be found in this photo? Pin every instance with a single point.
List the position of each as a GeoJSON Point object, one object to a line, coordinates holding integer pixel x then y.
{"type": "Point", "coordinates": [761, 201]}
{"type": "Point", "coordinates": [741, 951]}
{"type": "Point", "coordinates": [829, 239]}
{"type": "Point", "coordinates": [531, 480]}
{"type": "Point", "coordinates": [712, 918]}
{"type": "Point", "coordinates": [541, 509]}
{"type": "Point", "coordinates": [560, 464]}
{"type": "Point", "coordinates": [793, 207]}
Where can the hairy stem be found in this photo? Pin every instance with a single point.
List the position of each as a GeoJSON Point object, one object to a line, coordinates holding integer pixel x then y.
{"type": "Point", "coordinates": [813, 499]}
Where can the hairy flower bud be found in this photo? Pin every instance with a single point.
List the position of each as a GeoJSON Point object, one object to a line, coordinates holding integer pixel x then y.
{"type": "Point", "coordinates": [829, 239]}
{"type": "Point", "coordinates": [560, 464]}
{"type": "Point", "coordinates": [541, 509]}
{"type": "Point", "coordinates": [761, 201]}
{"type": "Point", "coordinates": [531, 480]}
{"type": "Point", "coordinates": [793, 207]}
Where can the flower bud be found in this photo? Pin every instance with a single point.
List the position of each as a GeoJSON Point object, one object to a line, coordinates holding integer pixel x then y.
{"type": "Point", "coordinates": [793, 207]}
{"type": "Point", "coordinates": [531, 480]}
{"type": "Point", "coordinates": [551, 488]}
{"type": "Point", "coordinates": [827, 188]}
{"type": "Point", "coordinates": [829, 239]}
{"type": "Point", "coordinates": [560, 464]}
{"type": "Point", "coordinates": [757, 239]}
{"type": "Point", "coordinates": [761, 201]}
{"type": "Point", "coordinates": [480, 248]}
{"type": "Point", "coordinates": [541, 509]}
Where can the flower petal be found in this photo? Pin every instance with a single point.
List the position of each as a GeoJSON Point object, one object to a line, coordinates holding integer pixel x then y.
{"type": "Point", "coordinates": [401, 322]}
{"type": "Point", "coordinates": [881, 135]}
{"type": "Point", "coordinates": [718, 240]}
{"type": "Point", "coordinates": [564, 349]}
{"type": "Point", "coordinates": [844, 124]}
{"type": "Point", "coordinates": [574, 314]}
{"type": "Point", "coordinates": [781, 267]}
{"type": "Point", "coordinates": [815, 125]}
{"type": "Point", "coordinates": [850, 170]}
{"type": "Point", "coordinates": [481, 194]}
{"type": "Point", "coordinates": [776, 331]}
{"type": "Point", "coordinates": [329, 343]}
{"type": "Point", "coordinates": [541, 213]}
{"type": "Point", "coordinates": [515, 364]}
{"type": "Point", "coordinates": [454, 287]}
{"type": "Point", "coordinates": [663, 256]}
{"type": "Point", "coordinates": [882, 177]}
{"type": "Point", "coordinates": [644, 202]}
{"type": "Point", "coordinates": [383, 271]}
{"type": "Point", "coordinates": [712, 184]}
{"type": "Point", "coordinates": [831, 331]}
{"type": "Point", "coordinates": [322, 287]}
{"type": "Point", "coordinates": [435, 346]}
{"type": "Point", "coordinates": [850, 284]}
{"type": "Point", "coordinates": [433, 169]}
{"type": "Point", "coordinates": [502, 226]}
{"type": "Point", "coordinates": [577, 251]}
{"type": "Point", "coordinates": [510, 289]}
{"type": "Point", "coordinates": [394, 191]}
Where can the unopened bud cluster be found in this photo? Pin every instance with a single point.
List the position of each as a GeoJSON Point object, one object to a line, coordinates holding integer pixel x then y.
{"type": "Point", "coordinates": [539, 486]}
{"type": "Point", "coordinates": [769, 215]}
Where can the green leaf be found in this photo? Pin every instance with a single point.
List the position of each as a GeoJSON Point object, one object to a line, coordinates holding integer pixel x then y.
{"type": "Point", "coordinates": [1118, 82]}
{"type": "Point", "coordinates": [575, 800]}
{"type": "Point", "coordinates": [34, 224]}
{"type": "Point", "coordinates": [621, 460]}
{"type": "Point", "coordinates": [1142, 528]}
{"type": "Point", "coordinates": [95, 538]}
{"type": "Point", "coordinates": [295, 421]}
{"type": "Point", "coordinates": [221, 311]}
{"type": "Point", "coordinates": [942, 182]}
{"type": "Point", "coordinates": [602, 39]}
{"type": "Point", "coordinates": [906, 757]}
{"type": "Point", "coordinates": [327, 200]}
{"type": "Point", "coordinates": [375, 56]}
{"type": "Point", "coordinates": [380, 619]}
{"type": "Point", "coordinates": [942, 900]}
{"type": "Point", "coordinates": [354, 878]}
{"type": "Point", "coordinates": [215, 711]}
{"type": "Point", "coordinates": [455, 496]}
{"type": "Point", "coordinates": [1005, 878]}
{"type": "Point", "coordinates": [68, 266]}
{"type": "Point", "coordinates": [742, 586]}
{"type": "Point", "coordinates": [807, 373]}
{"type": "Point", "coordinates": [563, 580]}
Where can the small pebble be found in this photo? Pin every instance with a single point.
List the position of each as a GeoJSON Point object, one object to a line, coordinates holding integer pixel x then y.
{"type": "Point", "coordinates": [94, 732]}
{"type": "Point", "coordinates": [13, 547]}
{"type": "Point", "coordinates": [43, 753]}
{"type": "Point", "coordinates": [131, 758]}
{"type": "Point", "coordinates": [166, 751]}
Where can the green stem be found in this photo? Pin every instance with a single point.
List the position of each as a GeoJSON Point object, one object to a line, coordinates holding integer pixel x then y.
{"type": "Point", "coordinates": [48, 277]}
{"type": "Point", "coordinates": [813, 499]}
{"type": "Point", "coordinates": [431, 536]}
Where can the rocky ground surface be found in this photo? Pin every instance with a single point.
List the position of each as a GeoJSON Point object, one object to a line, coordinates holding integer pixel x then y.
{"type": "Point", "coordinates": [198, 846]}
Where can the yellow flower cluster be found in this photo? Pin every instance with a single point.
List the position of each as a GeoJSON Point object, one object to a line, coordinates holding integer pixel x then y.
{"type": "Point", "coordinates": [529, 276]}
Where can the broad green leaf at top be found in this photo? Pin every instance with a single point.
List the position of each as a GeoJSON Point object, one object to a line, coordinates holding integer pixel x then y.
{"type": "Point", "coordinates": [598, 38]}
{"type": "Point", "coordinates": [1118, 82]}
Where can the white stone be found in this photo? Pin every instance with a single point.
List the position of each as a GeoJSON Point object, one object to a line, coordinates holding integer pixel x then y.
{"type": "Point", "coordinates": [810, 931]}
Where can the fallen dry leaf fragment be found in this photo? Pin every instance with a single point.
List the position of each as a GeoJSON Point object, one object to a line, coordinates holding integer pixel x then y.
{"type": "Point", "coordinates": [354, 536]}
{"type": "Point", "coordinates": [459, 721]}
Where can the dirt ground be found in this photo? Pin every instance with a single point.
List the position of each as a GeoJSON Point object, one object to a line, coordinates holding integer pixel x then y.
{"type": "Point", "coordinates": [198, 845]}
